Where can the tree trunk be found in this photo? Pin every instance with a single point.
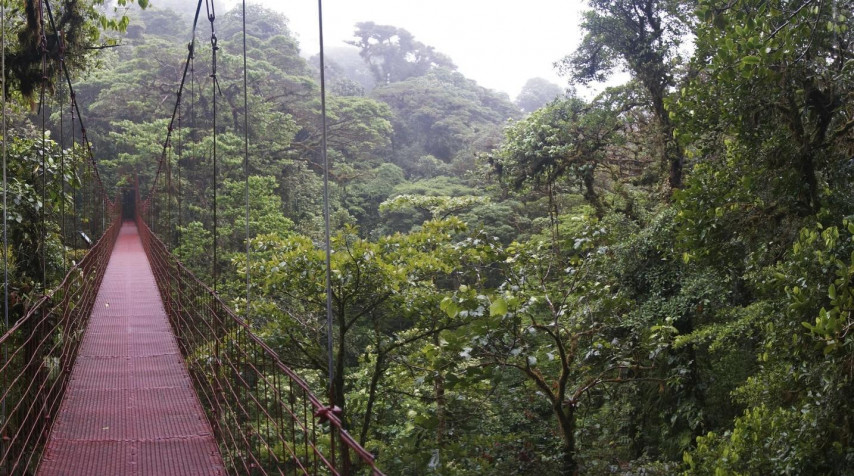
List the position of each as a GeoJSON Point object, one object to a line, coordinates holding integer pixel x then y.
{"type": "Point", "coordinates": [566, 423]}
{"type": "Point", "coordinates": [372, 396]}
{"type": "Point", "coordinates": [808, 197]}
{"type": "Point", "coordinates": [590, 192]}
{"type": "Point", "coordinates": [441, 419]}
{"type": "Point", "coordinates": [672, 153]}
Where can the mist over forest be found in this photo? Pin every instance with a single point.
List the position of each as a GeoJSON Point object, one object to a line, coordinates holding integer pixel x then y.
{"type": "Point", "coordinates": [658, 279]}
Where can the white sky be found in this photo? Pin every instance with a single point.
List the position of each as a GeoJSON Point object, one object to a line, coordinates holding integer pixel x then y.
{"type": "Point", "coordinates": [498, 43]}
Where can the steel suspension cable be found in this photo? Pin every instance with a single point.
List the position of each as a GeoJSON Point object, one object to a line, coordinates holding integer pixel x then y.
{"type": "Point", "coordinates": [76, 192]}
{"type": "Point", "coordinates": [62, 150]}
{"type": "Point", "coordinates": [327, 238]}
{"type": "Point", "coordinates": [193, 132]}
{"type": "Point", "coordinates": [190, 55]}
{"type": "Point", "coordinates": [76, 108]}
{"type": "Point", "coordinates": [246, 160]}
{"type": "Point", "coordinates": [178, 165]}
{"type": "Point", "coordinates": [42, 107]}
{"type": "Point", "coordinates": [194, 151]}
{"type": "Point", "coordinates": [209, 4]}
{"type": "Point", "coordinates": [5, 214]}
{"type": "Point", "coordinates": [169, 198]}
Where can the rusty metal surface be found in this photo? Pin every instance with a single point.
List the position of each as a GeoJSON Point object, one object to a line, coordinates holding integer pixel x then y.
{"type": "Point", "coordinates": [130, 408]}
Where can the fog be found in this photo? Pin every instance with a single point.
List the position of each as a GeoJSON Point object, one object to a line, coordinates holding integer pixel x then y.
{"type": "Point", "coordinates": [498, 44]}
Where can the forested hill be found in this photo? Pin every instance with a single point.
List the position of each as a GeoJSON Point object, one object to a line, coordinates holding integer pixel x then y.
{"type": "Point", "coordinates": [658, 280]}
{"type": "Point", "coordinates": [422, 127]}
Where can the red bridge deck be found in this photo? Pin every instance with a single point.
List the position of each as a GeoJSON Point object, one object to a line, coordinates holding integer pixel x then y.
{"type": "Point", "coordinates": [130, 408]}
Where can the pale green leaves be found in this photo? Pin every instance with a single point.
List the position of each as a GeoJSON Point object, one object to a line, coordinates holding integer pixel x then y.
{"type": "Point", "coordinates": [750, 60]}
{"type": "Point", "coordinates": [498, 307]}
{"type": "Point", "coordinates": [438, 206]}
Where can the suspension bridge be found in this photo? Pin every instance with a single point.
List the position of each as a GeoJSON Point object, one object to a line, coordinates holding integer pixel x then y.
{"type": "Point", "coordinates": [132, 365]}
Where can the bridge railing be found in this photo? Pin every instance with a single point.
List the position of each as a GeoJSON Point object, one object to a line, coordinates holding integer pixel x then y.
{"type": "Point", "coordinates": [38, 352]}
{"type": "Point", "coordinates": [265, 417]}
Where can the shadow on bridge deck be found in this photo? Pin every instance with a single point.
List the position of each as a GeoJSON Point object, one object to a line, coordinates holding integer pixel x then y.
{"type": "Point", "coordinates": [130, 408]}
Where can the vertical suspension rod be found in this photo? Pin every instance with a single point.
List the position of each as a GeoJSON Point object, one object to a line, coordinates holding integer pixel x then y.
{"type": "Point", "coordinates": [5, 215]}
{"type": "Point", "coordinates": [43, 45]}
{"type": "Point", "coordinates": [246, 160]}
{"type": "Point", "coordinates": [63, 238]}
{"type": "Point", "coordinates": [178, 165]}
{"type": "Point", "coordinates": [327, 237]}
{"type": "Point", "coordinates": [209, 4]}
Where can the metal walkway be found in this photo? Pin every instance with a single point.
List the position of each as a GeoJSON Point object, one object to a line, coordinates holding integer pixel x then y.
{"type": "Point", "coordinates": [130, 408]}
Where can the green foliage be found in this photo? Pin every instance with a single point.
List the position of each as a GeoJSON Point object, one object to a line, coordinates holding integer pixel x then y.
{"type": "Point", "coordinates": [435, 186]}
{"type": "Point", "coordinates": [764, 441]}
{"type": "Point", "coordinates": [550, 321]}
{"type": "Point", "coordinates": [437, 206]}
{"type": "Point", "coordinates": [771, 93]}
{"type": "Point", "coordinates": [81, 23]}
{"type": "Point", "coordinates": [265, 211]}
{"type": "Point", "coordinates": [719, 210]}
{"type": "Point", "coordinates": [39, 200]}
{"type": "Point", "coordinates": [832, 326]}
{"type": "Point", "coordinates": [359, 128]}
{"type": "Point", "coordinates": [514, 297]}
{"type": "Point", "coordinates": [566, 140]}
{"type": "Point", "coordinates": [801, 385]}
{"type": "Point", "coordinates": [195, 249]}
{"type": "Point", "coordinates": [440, 115]}
{"type": "Point", "coordinates": [644, 36]}
{"type": "Point", "coordinates": [363, 198]}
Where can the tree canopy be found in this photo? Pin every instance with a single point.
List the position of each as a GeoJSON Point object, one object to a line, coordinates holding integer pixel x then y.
{"type": "Point", "coordinates": [653, 280]}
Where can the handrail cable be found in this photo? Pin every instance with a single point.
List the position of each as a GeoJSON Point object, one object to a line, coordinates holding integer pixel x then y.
{"type": "Point", "coordinates": [168, 229]}
{"type": "Point", "coordinates": [248, 380]}
{"type": "Point", "coordinates": [64, 311]}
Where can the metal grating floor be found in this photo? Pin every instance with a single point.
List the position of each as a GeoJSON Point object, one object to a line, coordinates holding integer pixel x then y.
{"type": "Point", "coordinates": [130, 408]}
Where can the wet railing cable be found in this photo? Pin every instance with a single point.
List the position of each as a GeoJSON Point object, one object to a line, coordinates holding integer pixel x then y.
{"type": "Point", "coordinates": [45, 339]}
{"type": "Point", "coordinates": [265, 416]}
